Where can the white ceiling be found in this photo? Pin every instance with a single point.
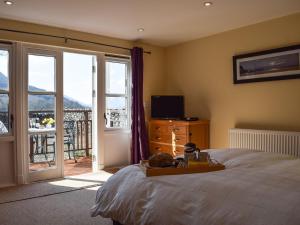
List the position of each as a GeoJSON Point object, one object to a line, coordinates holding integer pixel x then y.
{"type": "Point", "coordinates": [166, 22]}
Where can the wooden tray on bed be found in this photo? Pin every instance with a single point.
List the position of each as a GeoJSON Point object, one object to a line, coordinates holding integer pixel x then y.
{"type": "Point", "coordinates": [158, 171]}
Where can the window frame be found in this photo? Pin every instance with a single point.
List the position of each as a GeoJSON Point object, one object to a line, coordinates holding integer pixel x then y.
{"type": "Point", "coordinates": [10, 92]}
{"type": "Point", "coordinates": [127, 95]}
{"type": "Point", "coordinates": [43, 53]}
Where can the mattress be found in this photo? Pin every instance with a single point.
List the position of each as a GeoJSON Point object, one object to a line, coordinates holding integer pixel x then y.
{"type": "Point", "coordinates": [256, 188]}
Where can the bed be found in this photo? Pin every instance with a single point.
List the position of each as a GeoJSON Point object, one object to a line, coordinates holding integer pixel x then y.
{"type": "Point", "coordinates": [260, 186]}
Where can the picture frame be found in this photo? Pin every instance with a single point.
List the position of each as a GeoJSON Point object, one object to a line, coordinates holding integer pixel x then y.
{"type": "Point", "coordinates": [274, 64]}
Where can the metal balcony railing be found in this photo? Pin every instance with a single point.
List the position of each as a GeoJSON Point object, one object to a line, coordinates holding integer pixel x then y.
{"type": "Point", "coordinates": [77, 135]}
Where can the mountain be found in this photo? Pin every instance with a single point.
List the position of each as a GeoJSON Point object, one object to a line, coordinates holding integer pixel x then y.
{"type": "Point", "coordinates": [38, 102]}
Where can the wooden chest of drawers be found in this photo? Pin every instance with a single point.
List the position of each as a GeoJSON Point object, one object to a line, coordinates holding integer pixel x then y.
{"type": "Point", "coordinates": [171, 135]}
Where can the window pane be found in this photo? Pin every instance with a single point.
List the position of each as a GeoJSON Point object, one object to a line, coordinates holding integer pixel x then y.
{"type": "Point", "coordinates": [115, 78]}
{"type": "Point", "coordinates": [116, 112]}
{"type": "Point", "coordinates": [42, 150]}
{"type": "Point", "coordinates": [41, 73]}
{"type": "Point", "coordinates": [4, 114]}
{"type": "Point", "coordinates": [41, 111]}
{"type": "Point", "coordinates": [4, 62]}
{"type": "Point", "coordinates": [78, 75]}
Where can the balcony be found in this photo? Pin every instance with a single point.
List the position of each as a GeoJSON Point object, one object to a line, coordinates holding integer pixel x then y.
{"type": "Point", "coordinates": [77, 137]}
{"type": "Point", "coordinates": [77, 140]}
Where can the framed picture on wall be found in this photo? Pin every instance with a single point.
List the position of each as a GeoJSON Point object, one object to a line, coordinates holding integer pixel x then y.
{"type": "Point", "coordinates": [274, 64]}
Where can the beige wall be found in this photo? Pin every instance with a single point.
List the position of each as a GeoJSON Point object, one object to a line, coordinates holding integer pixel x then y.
{"type": "Point", "coordinates": [153, 63]}
{"type": "Point", "coordinates": [202, 71]}
{"type": "Point", "coordinates": [154, 74]}
{"type": "Point", "coordinates": [30, 27]}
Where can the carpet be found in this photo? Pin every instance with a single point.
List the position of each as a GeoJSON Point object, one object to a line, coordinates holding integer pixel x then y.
{"type": "Point", "coordinates": [52, 187]}
{"type": "Point", "coordinates": [71, 208]}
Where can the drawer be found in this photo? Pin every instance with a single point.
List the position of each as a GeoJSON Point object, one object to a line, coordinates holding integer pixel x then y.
{"type": "Point", "coordinates": [156, 148]}
{"type": "Point", "coordinates": [159, 129]}
{"type": "Point", "coordinates": [180, 140]}
{"type": "Point", "coordinates": [161, 138]}
{"type": "Point", "coordinates": [179, 129]}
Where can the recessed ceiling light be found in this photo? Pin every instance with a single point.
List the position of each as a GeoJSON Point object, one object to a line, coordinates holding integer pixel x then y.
{"type": "Point", "coordinates": [140, 29]}
{"type": "Point", "coordinates": [8, 2]}
{"type": "Point", "coordinates": [207, 4]}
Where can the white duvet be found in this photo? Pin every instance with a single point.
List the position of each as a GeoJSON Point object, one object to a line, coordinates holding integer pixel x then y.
{"type": "Point", "coordinates": [256, 188]}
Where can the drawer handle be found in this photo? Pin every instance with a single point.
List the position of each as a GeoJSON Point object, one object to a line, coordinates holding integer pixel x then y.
{"type": "Point", "coordinates": [157, 128]}
{"type": "Point", "coordinates": [158, 138]}
{"type": "Point", "coordinates": [176, 129]}
{"type": "Point", "coordinates": [157, 148]}
{"type": "Point", "coordinates": [177, 139]}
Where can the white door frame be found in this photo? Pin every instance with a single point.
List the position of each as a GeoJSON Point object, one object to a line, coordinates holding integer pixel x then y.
{"type": "Point", "coordinates": [100, 110]}
{"type": "Point", "coordinates": [10, 137]}
{"type": "Point", "coordinates": [98, 107]}
{"type": "Point", "coordinates": [11, 70]}
{"type": "Point", "coordinates": [57, 170]}
{"type": "Point", "coordinates": [22, 175]}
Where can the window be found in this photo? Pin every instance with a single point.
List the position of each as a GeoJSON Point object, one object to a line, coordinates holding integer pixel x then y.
{"type": "Point", "coordinates": [41, 89]}
{"type": "Point", "coordinates": [41, 111]}
{"type": "Point", "coordinates": [117, 93]}
{"type": "Point", "coordinates": [4, 92]}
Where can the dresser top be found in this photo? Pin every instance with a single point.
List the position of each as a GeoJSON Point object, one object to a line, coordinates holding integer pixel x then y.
{"type": "Point", "coordinates": [179, 122]}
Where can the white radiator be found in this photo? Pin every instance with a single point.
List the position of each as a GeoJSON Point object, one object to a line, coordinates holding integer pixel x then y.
{"type": "Point", "coordinates": [282, 142]}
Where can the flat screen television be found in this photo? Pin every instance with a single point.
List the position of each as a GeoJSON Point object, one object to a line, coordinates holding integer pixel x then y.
{"type": "Point", "coordinates": [167, 107]}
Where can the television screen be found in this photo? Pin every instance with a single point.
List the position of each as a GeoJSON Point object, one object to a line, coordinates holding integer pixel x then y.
{"type": "Point", "coordinates": [167, 107]}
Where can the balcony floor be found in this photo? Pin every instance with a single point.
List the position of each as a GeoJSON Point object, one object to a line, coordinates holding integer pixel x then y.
{"type": "Point", "coordinates": [83, 165]}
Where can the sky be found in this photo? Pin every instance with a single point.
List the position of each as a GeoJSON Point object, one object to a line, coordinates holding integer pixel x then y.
{"type": "Point", "coordinates": [115, 83]}
{"type": "Point", "coordinates": [41, 71]}
{"type": "Point", "coordinates": [77, 76]}
{"type": "Point", "coordinates": [3, 62]}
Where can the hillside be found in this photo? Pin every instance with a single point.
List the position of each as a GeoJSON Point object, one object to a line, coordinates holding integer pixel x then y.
{"type": "Point", "coordinates": [38, 102]}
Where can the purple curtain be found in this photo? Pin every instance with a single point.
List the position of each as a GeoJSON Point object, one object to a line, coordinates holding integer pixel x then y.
{"type": "Point", "coordinates": [139, 143]}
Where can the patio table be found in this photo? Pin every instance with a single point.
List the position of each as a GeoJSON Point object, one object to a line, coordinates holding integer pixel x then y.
{"type": "Point", "coordinates": [34, 136]}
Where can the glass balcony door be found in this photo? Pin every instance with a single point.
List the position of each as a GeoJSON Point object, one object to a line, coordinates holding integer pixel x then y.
{"type": "Point", "coordinates": [44, 113]}
{"type": "Point", "coordinates": [7, 132]}
{"type": "Point", "coordinates": [5, 91]}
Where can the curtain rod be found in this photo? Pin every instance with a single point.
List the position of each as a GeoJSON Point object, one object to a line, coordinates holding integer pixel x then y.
{"type": "Point", "coordinates": [69, 38]}
{"type": "Point", "coordinates": [116, 56]}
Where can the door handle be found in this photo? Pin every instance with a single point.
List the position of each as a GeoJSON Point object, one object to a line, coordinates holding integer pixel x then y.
{"type": "Point", "coordinates": [11, 121]}
{"type": "Point", "coordinates": [104, 114]}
